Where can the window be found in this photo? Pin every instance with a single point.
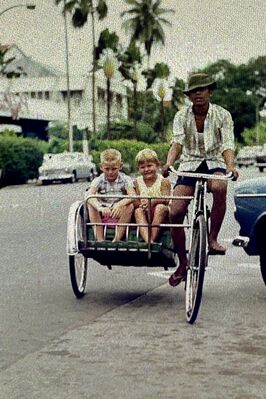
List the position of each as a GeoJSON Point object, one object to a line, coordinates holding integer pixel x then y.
{"type": "Point", "coordinates": [101, 94]}
{"type": "Point", "coordinates": [119, 100]}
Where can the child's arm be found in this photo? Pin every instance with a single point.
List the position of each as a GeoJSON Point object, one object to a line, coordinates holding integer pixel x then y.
{"type": "Point", "coordinates": [95, 203]}
{"type": "Point", "coordinates": [117, 208]}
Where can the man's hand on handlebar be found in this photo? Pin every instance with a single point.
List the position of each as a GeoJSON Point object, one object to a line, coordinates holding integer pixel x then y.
{"type": "Point", "coordinates": [234, 173]}
{"type": "Point", "coordinates": [165, 170]}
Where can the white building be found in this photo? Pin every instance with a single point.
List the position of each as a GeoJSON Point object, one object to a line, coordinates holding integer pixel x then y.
{"type": "Point", "coordinates": [39, 93]}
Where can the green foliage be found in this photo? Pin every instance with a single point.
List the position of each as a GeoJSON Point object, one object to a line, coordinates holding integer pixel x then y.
{"type": "Point", "coordinates": [20, 159]}
{"type": "Point", "coordinates": [238, 89]}
{"type": "Point", "coordinates": [129, 150]}
{"type": "Point", "coordinates": [241, 106]}
{"type": "Point", "coordinates": [131, 55]}
{"type": "Point", "coordinates": [255, 135]}
{"type": "Point", "coordinates": [160, 70]}
{"type": "Point", "coordinates": [124, 129]}
{"type": "Point", "coordinates": [146, 21]}
{"type": "Point", "coordinates": [107, 39]}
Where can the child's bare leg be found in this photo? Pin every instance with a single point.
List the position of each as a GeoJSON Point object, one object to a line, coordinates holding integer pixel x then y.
{"type": "Point", "coordinates": [160, 213]}
{"type": "Point", "coordinates": [125, 218]}
{"type": "Point", "coordinates": [140, 217]}
{"type": "Point", "coordinates": [95, 217]}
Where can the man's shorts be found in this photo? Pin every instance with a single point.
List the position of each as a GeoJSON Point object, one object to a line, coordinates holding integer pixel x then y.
{"type": "Point", "coordinates": [203, 168]}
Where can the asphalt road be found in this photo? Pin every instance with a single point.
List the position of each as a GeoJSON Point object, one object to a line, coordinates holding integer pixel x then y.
{"type": "Point", "coordinates": [128, 337]}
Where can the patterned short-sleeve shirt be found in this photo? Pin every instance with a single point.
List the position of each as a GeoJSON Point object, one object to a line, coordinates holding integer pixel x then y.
{"type": "Point", "coordinates": [218, 136]}
{"type": "Point", "coordinates": [119, 187]}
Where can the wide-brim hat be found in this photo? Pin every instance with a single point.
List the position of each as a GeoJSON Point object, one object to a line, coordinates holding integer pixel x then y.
{"type": "Point", "coordinates": [199, 80]}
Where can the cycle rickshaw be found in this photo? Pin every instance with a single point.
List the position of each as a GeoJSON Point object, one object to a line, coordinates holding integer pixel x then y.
{"type": "Point", "coordinates": [133, 251]}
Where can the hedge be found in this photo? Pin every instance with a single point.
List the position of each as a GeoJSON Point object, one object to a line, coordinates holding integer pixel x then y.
{"type": "Point", "coordinates": [20, 159]}
{"type": "Point", "coordinates": [129, 150]}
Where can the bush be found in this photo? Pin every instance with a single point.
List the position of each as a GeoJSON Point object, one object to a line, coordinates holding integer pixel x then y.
{"type": "Point", "coordinates": [20, 159]}
{"type": "Point", "coordinates": [129, 150]}
{"type": "Point", "coordinates": [124, 130]}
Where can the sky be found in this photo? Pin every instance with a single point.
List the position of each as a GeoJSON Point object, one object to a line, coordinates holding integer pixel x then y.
{"type": "Point", "coordinates": [202, 32]}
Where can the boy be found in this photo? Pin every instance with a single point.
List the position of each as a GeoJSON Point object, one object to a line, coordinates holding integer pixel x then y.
{"type": "Point", "coordinates": [153, 184]}
{"type": "Point", "coordinates": [110, 182]}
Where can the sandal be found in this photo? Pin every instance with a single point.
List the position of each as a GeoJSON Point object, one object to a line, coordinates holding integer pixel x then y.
{"type": "Point", "coordinates": [176, 279]}
{"type": "Point", "coordinates": [218, 250]}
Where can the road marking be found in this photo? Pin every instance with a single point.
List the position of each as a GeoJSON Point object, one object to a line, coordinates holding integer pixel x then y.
{"type": "Point", "coordinates": [163, 274]}
{"type": "Point", "coordinates": [227, 239]}
{"type": "Point", "coordinates": [249, 265]}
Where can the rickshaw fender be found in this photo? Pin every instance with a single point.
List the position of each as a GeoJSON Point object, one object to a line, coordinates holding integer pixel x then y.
{"type": "Point", "coordinates": [72, 239]}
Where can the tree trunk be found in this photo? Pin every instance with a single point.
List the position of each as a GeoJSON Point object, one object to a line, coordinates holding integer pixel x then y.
{"type": "Point", "coordinates": [108, 106]}
{"type": "Point", "coordinates": [93, 74]}
{"type": "Point", "coordinates": [145, 95]}
{"type": "Point", "coordinates": [162, 119]}
{"type": "Point", "coordinates": [135, 102]}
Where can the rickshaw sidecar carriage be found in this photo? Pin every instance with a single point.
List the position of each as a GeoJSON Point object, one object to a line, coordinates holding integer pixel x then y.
{"type": "Point", "coordinates": [131, 251]}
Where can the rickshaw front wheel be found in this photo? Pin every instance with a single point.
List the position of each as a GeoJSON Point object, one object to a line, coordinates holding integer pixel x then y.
{"type": "Point", "coordinates": [78, 274]}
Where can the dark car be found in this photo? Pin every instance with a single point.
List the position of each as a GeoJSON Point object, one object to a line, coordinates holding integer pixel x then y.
{"type": "Point", "coordinates": [250, 213]}
{"type": "Point", "coordinates": [261, 159]}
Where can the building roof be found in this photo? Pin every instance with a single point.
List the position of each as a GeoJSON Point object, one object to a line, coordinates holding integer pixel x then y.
{"type": "Point", "coordinates": [26, 66]}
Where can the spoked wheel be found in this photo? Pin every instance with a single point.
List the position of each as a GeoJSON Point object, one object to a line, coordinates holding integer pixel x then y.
{"type": "Point", "coordinates": [78, 274]}
{"type": "Point", "coordinates": [196, 269]}
{"type": "Point", "coordinates": [78, 263]}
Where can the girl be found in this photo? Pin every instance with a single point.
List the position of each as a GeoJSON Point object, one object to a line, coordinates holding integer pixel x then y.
{"type": "Point", "coordinates": [153, 184]}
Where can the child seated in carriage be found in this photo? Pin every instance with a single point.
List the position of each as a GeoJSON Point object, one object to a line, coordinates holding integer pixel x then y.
{"type": "Point", "coordinates": [110, 182]}
{"type": "Point", "coordinates": [150, 183]}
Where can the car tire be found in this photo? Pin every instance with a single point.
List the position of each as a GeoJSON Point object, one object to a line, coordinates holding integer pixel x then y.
{"type": "Point", "coordinates": [263, 264]}
{"type": "Point", "coordinates": [73, 178]}
{"type": "Point", "coordinates": [261, 169]}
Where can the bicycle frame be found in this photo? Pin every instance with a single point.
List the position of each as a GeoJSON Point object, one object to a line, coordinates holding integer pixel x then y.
{"type": "Point", "coordinates": [198, 243]}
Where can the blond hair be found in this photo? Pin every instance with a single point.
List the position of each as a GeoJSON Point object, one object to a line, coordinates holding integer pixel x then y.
{"type": "Point", "coordinates": [147, 155]}
{"type": "Point", "coordinates": [111, 155]}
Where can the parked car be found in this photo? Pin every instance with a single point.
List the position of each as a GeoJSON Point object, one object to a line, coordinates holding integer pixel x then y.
{"type": "Point", "coordinates": [250, 213]}
{"type": "Point", "coordinates": [247, 155]}
{"type": "Point", "coordinates": [261, 159]}
{"type": "Point", "coordinates": [67, 166]}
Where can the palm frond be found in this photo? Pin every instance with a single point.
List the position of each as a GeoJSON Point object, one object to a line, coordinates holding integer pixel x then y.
{"type": "Point", "coordinates": [79, 18]}
{"type": "Point", "coordinates": [102, 9]}
{"type": "Point", "coordinates": [70, 5]}
{"type": "Point", "coordinates": [133, 2]}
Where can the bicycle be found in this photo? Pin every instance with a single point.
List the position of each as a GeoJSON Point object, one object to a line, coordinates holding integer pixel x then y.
{"type": "Point", "coordinates": [198, 242]}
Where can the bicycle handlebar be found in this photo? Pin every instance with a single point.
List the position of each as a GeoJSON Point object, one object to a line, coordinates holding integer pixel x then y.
{"type": "Point", "coordinates": [228, 176]}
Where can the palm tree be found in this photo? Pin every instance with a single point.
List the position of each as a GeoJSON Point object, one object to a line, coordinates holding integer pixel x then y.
{"type": "Point", "coordinates": [4, 61]}
{"type": "Point", "coordinates": [146, 21]}
{"type": "Point", "coordinates": [110, 65]}
{"type": "Point", "coordinates": [131, 70]}
{"type": "Point", "coordinates": [80, 10]}
{"type": "Point", "coordinates": [163, 93]}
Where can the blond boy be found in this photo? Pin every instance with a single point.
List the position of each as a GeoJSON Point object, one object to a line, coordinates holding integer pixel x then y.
{"type": "Point", "coordinates": [111, 182]}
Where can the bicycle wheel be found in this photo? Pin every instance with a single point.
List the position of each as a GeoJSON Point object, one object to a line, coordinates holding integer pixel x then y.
{"type": "Point", "coordinates": [196, 268]}
{"type": "Point", "coordinates": [78, 274]}
{"type": "Point", "coordinates": [78, 263]}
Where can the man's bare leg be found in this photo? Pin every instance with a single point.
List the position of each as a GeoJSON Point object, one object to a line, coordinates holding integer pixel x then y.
{"type": "Point", "coordinates": [178, 210]}
{"type": "Point", "coordinates": [219, 191]}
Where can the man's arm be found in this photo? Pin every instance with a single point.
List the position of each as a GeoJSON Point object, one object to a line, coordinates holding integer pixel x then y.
{"type": "Point", "coordinates": [229, 159]}
{"type": "Point", "coordinates": [173, 154]}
